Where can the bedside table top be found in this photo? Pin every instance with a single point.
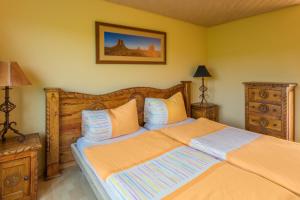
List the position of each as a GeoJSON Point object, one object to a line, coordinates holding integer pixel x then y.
{"type": "Point", "coordinates": [12, 146]}
{"type": "Point", "coordinates": [205, 105]}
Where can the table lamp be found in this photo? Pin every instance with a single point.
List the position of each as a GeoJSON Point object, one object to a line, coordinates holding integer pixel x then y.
{"type": "Point", "coordinates": [11, 75]}
{"type": "Point", "coordinates": [202, 72]}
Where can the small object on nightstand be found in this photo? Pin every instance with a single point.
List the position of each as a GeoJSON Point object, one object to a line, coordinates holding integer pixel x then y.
{"type": "Point", "coordinates": [19, 168]}
{"type": "Point", "coordinates": [202, 72]}
{"type": "Point", "coordinates": [207, 110]}
{"type": "Point", "coordinates": [11, 76]}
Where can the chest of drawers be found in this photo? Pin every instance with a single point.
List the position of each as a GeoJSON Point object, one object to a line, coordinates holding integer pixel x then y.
{"type": "Point", "coordinates": [269, 108]}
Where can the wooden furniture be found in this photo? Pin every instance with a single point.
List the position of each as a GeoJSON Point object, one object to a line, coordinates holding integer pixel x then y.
{"type": "Point", "coordinates": [63, 117]}
{"type": "Point", "coordinates": [207, 110]}
{"type": "Point", "coordinates": [270, 108]}
{"type": "Point", "coordinates": [19, 168]}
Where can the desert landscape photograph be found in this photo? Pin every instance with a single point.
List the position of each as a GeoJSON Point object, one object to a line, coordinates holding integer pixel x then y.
{"type": "Point", "coordinates": [116, 44]}
{"type": "Point", "coordinates": [129, 45]}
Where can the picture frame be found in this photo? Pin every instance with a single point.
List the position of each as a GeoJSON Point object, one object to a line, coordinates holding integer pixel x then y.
{"type": "Point", "coordinates": [118, 44]}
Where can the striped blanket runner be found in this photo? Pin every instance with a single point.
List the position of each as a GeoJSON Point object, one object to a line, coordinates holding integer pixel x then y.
{"type": "Point", "coordinates": [220, 143]}
{"type": "Point", "coordinates": [161, 176]}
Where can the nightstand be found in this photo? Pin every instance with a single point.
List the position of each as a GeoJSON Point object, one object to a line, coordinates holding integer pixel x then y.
{"type": "Point", "coordinates": [207, 110]}
{"type": "Point", "coordinates": [19, 168]}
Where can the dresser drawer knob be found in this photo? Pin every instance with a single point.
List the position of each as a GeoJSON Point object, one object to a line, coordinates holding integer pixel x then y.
{"type": "Point", "coordinates": [263, 94]}
{"type": "Point", "coordinates": [26, 178]}
{"type": "Point", "coordinates": [263, 123]}
{"type": "Point", "coordinates": [263, 108]}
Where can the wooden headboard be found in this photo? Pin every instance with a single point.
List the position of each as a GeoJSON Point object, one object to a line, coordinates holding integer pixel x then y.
{"type": "Point", "coordinates": [63, 117]}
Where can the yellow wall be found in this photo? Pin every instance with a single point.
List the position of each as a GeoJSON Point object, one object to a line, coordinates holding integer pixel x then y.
{"type": "Point", "coordinates": [261, 48]}
{"type": "Point", "coordinates": [54, 43]}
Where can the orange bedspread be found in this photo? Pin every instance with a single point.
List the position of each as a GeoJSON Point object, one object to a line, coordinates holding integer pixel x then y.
{"type": "Point", "coordinates": [275, 159]}
{"type": "Point", "coordinates": [226, 182]}
{"type": "Point", "coordinates": [220, 181]}
{"type": "Point", "coordinates": [111, 158]}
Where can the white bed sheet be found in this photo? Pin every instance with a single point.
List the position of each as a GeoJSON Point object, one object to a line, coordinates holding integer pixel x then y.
{"type": "Point", "coordinates": [83, 143]}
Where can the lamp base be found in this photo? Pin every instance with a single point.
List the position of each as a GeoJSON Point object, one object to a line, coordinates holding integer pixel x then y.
{"type": "Point", "coordinates": [202, 89]}
{"type": "Point", "coordinates": [5, 129]}
{"type": "Point", "coordinates": [7, 107]}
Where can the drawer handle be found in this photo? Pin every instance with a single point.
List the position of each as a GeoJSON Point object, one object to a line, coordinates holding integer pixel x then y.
{"type": "Point", "coordinates": [26, 178]}
{"type": "Point", "coordinates": [263, 94]}
{"type": "Point", "coordinates": [263, 108]}
{"type": "Point", "coordinates": [263, 123]}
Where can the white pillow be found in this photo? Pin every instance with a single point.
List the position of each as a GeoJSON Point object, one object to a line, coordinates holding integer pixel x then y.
{"type": "Point", "coordinates": [96, 125]}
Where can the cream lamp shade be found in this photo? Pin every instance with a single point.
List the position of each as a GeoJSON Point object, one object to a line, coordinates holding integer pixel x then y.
{"type": "Point", "coordinates": [12, 75]}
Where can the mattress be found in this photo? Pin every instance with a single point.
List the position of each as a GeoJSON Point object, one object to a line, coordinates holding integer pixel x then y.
{"type": "Point", "coordinates": [98, 185]}
{"type": "Point", "coordinates": [181, 164]}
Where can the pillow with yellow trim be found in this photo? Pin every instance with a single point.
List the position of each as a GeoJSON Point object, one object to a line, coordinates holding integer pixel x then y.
{"type": "Point", "coordinates": [98, 125]}
{"type": "Point", "coordinates": [165, 111]}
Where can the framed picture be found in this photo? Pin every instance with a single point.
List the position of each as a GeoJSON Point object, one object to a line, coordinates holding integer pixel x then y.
{"type": "Point", "coordinates": [116, 44]}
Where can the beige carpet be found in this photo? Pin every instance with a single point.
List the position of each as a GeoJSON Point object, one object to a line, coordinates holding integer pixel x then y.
{"type": "Point", "coordinates": [72, 185]}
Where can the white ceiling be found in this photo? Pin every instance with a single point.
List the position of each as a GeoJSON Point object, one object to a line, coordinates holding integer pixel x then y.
{"type": "Point", "coordinates": [208, 12]}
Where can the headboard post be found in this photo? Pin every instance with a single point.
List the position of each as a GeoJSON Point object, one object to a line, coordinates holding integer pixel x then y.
{"type": "Point", "coordinates": [187, 96]}
{"type": "Point", "coordinates": [52, 133]}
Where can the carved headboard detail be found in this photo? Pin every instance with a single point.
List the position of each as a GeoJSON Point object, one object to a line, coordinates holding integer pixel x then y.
{"type": "Point", "coordinates": [63, 117]}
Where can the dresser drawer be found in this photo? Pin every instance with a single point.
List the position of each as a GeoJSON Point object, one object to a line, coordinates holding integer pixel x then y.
{"type": "Point", "coordinates": [265, 123]}
{"type": "Point", "coordinates": [15, 179]}
{"type": "Point", "coordinates": [266, 109]}
{"type": "Point", "coordinates": [265, 95]}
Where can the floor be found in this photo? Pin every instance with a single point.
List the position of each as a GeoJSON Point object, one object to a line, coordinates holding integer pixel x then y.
{"type": "Point", "coordinates": [72, 185]}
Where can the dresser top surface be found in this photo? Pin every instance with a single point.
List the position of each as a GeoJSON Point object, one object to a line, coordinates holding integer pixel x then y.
{"type": "Point", "coordinates": [12, 145]}
{"type": "Point", "coordinates": [280, 84]}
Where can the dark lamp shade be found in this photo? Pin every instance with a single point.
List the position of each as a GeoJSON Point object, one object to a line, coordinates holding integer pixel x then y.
{"type": "Point", "coordinates": [12, 75]}
{"type": "Point", "coordinates": [202, 72]}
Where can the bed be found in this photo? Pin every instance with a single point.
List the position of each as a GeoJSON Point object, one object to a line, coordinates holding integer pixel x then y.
{"type": "Point", "coordinates": [192, 172]}
{"type": "Point", "coordinates": [195, 175]}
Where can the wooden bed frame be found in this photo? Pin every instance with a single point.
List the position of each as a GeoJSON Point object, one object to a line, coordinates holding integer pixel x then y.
{"type": "Point", "coordinates": [63, 117]}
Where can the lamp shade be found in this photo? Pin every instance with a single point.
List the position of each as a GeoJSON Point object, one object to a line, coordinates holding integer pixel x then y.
{"type": "Point", "coordinates": [11, 75]}
{"type": "Point", "coordinates": [202, 72]}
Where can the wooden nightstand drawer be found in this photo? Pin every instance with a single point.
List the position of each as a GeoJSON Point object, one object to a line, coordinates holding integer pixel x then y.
{"type": "Point", "coordinates": [209, 111]}
{"type": "Point", "coordinates": [15, 179]}
{"type": "Point", "coordinates": [18, 168]}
